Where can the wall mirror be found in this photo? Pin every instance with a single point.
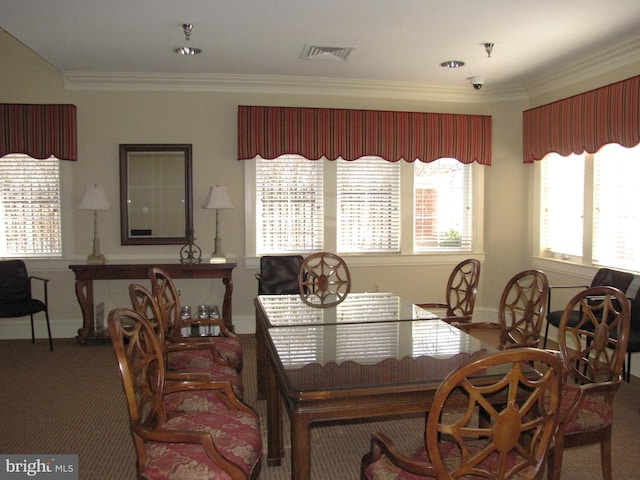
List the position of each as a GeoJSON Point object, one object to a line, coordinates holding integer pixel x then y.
{"type": "Point", "coordinates": [155, 194]}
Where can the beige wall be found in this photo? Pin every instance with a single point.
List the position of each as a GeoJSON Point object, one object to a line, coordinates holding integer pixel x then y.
{"type": "Point", "coordinates": [208, 121]}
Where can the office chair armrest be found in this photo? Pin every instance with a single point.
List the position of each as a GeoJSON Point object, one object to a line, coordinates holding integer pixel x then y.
{"type": "Point", "coordinates": [432, 305]}
{"type": "Point", "coordinates": [45, 282]}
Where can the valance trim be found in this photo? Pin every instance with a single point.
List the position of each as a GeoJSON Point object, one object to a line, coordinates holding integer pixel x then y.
{"type": "Point", "coordinates": [39, 131]}
{"type": "Point", "coordinates": [315, 133]}
{"type": "Point", "coordinates": [584, 122]}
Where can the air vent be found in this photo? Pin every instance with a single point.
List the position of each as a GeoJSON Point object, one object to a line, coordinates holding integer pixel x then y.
{"type": "Point", "coordinates": [326, 53]}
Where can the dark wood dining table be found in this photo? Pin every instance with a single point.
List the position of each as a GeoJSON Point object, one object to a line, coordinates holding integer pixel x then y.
{"type": "Point", "coordinates": [373, 355]}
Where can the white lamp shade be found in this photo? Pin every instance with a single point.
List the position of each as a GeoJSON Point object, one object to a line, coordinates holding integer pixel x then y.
{"type": "Point", "coordinates": [94, 198]}
{"type": "Point", "coordinates": [218, 198]}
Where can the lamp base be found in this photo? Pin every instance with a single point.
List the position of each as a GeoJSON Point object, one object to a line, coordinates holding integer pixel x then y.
{"type": "Point", "coordinates": [96, 259]}
{"type": "Point", "coordinates": [217, 258]}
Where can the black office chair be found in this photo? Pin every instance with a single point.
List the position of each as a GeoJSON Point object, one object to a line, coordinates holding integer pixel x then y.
{"type": "Point", "coordinates": [15, 295]}
{"type": "Point", "coordinates": [279, 274]}
{"type": "Point", "coordinates": [604, 277]}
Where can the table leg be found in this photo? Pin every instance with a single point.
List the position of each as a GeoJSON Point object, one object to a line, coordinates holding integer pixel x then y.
{"type": "Point", "coordinates": [261, 359]}
{"type": "Point", "coordinates": [226, 303]}
{"type": "Point", "coordinates": [274, 417]}
{"type": "Point", "coordinates": [300, 447]}
{"type": "Point", "coordinates": [84, 292]}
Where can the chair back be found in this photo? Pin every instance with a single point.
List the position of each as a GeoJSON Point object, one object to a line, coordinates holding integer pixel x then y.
{"type": "Point", "coordinates": [146, 305]}
{"type": "Point", "coordinates": [141, 365]}
{"type": "Point", "coordinates": [593, 350]}
{"type": "Point", "coordinates": [14, 281]}
{"type": "Point", "coordinates": [612, 278]}
{"type": "Point", "coordinates": [168, 299]}
{"type": "Point", "coordinates": [323, 280]}
{"type": "Point", "coordinates": [522, 417]}
{"type": "Point", "coordinates": [522, 309]}
{"type": "Point", "coordinates": [279, 274]}
{"type": "Point", "coordinates": [462, 288]}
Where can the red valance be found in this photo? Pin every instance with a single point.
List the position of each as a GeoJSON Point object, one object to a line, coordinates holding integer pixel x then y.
{"type": "Point", "coordinates": [39, 131]}
{"type": "Point", "coordinates": [585, 122]}
{"type": "Point", "coordinates": [350, 134]}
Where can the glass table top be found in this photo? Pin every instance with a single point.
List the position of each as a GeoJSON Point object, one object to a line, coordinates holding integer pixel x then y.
{"type": "Point", "coordinates": [282, 310]}
{"type": "Point", "coordinates": [325, 357]}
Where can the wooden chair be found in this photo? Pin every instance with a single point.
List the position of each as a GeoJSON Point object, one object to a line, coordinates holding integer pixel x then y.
{"type": "Point", "coordinates": [323, 280]}
{"type": "Point", "coordinates": [279, 274]}
{"type": "Point", "coordinates": [593, 354]}
{"type": "Point", "coordinates": [16, 299]}
{"type": "Point", "coordinates": [521, 311]}
{"type": "Point", "coordinates": [184, 360]}
{"type": "Point", "coordinates": [514, 443]}
{"type": "Point", "coordinates": [220, 442]}
{"type": "Point", "coordinates": [462, 288]}
{"type": "Point", "coordinates": [164, 290]}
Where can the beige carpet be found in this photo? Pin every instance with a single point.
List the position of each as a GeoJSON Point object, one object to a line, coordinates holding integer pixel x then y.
{"type": "Point", "coordinates": [71, 401]}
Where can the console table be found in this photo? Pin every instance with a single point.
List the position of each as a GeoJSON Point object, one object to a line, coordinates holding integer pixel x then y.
{"type": "Point", "coordinates": [87, 273]}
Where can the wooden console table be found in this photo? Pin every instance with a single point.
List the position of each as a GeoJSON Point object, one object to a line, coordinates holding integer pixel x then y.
{"type": "Point", "coordinates": [86, 274]}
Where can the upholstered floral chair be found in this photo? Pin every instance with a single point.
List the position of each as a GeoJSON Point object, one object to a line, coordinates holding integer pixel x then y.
{"type": "Point", "coordinates": [215, 435]}
{"type": "Point", "coordinates": [520, 411]}
{"type": "Point", "coordinates": [592, 349]}
{"type": "Point", "coordinates": [164, 290]}
{"type": "Point", "coordinates": [183, 360]}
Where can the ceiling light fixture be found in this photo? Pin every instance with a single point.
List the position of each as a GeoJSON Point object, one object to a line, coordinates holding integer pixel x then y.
{"type": "Point", "coordinates": [488, 47]}
{"type": "Point", "coordinates": [188, 28]}
{"type": "Point", "coordinates": [452, 64]}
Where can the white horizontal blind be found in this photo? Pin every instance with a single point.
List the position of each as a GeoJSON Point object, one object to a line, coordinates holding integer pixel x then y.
{"type": "Point", "coordinates": [368, 203]}
{"type": "Point", "coordinates": [435, 339]}
{"type": "Point", "coordinates": [443, 205]}
{"type": "Point", "coordinates": [289, 205]}
{"type": "Point", "coordinates": [616, 222]}
{"type": "Point", "coordinates": [30, 216]}
{"type": "Point", "coordinates": [298, 345]}
{"type": "Point", "coordinates": [562, 205]}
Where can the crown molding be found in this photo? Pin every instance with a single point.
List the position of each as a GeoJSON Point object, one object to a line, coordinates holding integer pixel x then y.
{"type": "Point", "coordinates": [265, 84]}
{"type": "Point", "coordinates": [596, 63]}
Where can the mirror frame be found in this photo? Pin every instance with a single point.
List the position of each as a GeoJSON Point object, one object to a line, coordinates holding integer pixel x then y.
{"type": "Point", "coordinates": [125, 149]}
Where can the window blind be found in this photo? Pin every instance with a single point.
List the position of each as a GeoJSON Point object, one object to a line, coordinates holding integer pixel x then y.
{"type": "Point", "coordinates": [289, 205]}
{"type": "Point", "coordinates": [562, 212]}
{"type": "Point", "coordinates": [368, 203]}
{"type": "Point", "coordinates": [30, 213]}
{"type": "Point", "coordinates": [616, 218]}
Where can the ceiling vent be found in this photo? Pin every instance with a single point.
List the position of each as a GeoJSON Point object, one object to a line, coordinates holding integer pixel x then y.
{"type": "Point", "coordinates": [326, 53]}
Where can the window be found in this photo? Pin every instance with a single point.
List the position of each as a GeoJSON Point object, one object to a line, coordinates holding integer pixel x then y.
{"type": "Point", "coordinates": [361, 206]}
{"type": "Point", "coordinates": [30, 213]}
{"type": "Point", "coordinates": [589, 208]}
{"type": "Point", "coordinates": [443, 202]}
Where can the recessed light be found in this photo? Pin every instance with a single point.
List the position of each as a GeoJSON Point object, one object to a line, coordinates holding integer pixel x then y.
{"type": "Point", "coordinates": [452, 64]}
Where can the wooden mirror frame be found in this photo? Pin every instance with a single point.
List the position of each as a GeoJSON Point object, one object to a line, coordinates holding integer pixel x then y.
{"type": "Point", "coordinates": [125, 236]}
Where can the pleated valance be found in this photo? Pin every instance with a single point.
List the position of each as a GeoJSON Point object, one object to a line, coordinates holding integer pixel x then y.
{"type": "Point", "coordinates": [585, 122]}
{"type": "Point", "coordinates": [313, 133]}
{"type": "Point", "coordinates": [39, 131]}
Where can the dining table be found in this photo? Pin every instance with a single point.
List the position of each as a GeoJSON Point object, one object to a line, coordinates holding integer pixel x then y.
{"type": "Point", "coordinates": [373, 355]}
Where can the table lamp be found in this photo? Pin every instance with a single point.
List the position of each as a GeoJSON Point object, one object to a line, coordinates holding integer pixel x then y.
{"type": "Point", "coordinates": [95, 199]}
{"type": "Point", "coordinates": [218, 199]}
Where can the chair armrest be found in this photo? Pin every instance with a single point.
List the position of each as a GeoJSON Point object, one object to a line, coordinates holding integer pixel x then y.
{"type": "Point", "coordinates": [476, 325]}
{"type": "Point", "coordinates": [381, 444]}
{"type": "Point", "coordinates": [45, 283]}
{"type": "Point", "coordinates": [222, 390]}
{"type": "Point", "coordinates": [551, 287]}
{"type": "Point", "coordinates": [187, 376]}
{"type": "Point", "coordinates": [432, 305]}
{"type": "Point", "coordinates": [197, 344]}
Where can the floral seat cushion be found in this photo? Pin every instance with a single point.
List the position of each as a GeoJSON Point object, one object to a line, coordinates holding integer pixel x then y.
{"type": "Point", "coordinates": [230, 349]}
{"type": "Point", "coordinates": [593, 414]}
{"type": "Point", "coordinates": [196, 362]}
{"type": "Point", "coordinates": [384, 469]}
{"type": "Point", "coordinates": [235, 434]}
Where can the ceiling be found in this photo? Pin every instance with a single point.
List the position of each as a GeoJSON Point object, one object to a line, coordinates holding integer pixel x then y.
{"type": "Point", "coordinates": [394, 41]}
